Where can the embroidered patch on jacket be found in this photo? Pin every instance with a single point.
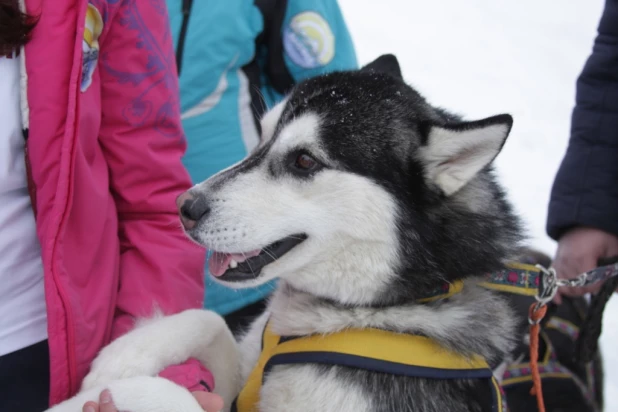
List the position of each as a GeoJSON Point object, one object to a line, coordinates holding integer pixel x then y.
{"type": "Point", "coordinates": [90, 45]}
{"type": "Point", "coordinates": [309, 41]}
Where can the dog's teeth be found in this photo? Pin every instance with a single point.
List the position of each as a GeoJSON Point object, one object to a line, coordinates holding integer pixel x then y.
{"type": "Point", "coordinates": [233, 264]}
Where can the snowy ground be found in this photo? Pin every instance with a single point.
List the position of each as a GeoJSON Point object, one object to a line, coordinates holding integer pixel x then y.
{"type": "Point", "coordinates": [481, 57]}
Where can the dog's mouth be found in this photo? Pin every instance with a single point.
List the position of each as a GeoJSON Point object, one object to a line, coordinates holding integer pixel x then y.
{"type": "Point", "coordinates": [237, 267]}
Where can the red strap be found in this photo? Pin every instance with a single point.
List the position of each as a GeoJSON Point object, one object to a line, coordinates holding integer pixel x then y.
{"type": "Point", "coordinates": [536, 314]}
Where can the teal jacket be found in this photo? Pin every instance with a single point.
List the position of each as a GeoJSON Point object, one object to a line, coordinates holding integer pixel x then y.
{"type": "Point", "coordinates": [236, 58]}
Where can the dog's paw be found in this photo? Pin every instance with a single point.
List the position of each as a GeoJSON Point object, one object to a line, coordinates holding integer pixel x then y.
{"type": "Point", "coordinates": [140, 394]}
{"type": "Point", "coordinates": [154, 345]}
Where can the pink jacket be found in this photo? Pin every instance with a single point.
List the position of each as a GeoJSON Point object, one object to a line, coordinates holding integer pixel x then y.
{"type": "Point", "coordinates": [100, 108]}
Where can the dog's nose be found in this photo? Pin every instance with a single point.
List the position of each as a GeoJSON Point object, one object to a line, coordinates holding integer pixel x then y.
{"type": "Point", "coordinates": [191, 208]}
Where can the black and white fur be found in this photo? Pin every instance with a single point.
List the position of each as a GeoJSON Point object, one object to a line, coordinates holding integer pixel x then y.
{"type": "Point", "coordinates": [401, 198]}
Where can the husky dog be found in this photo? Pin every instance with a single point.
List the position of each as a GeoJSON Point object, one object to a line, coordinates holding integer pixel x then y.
{"type": "Point", "coordinates": [362, 199]}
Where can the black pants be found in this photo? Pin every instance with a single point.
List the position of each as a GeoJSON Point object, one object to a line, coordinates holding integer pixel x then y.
{"type": "Point", "coordinates": [24, 379]}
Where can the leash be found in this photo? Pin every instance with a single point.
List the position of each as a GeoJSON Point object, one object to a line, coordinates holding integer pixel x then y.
{"type": "Point", "coordinates": [548, 284]}
{"type": "Point", "coordinates": [543, 284]}
{"type": "Point", "coordinates": [534, 317]}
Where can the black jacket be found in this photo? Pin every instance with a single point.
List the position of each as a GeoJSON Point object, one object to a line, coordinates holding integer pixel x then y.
{"type": "Point", "coordinates": [585, 191]}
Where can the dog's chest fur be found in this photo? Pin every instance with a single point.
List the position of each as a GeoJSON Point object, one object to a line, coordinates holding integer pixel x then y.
{"type": "Point", "coordinates": [474, 321]}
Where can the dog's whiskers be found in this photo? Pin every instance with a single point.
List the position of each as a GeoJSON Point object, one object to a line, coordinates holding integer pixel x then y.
{"type": "Point", "coordinates": [269, 254]}
{"type": "Point", "coordinates": [246, 261]}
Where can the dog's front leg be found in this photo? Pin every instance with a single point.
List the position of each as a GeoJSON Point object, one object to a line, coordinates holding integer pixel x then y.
{"type": "Point", "coordinates": [138, 394]}
{"type": "Point", "coordinates": [161, 342]}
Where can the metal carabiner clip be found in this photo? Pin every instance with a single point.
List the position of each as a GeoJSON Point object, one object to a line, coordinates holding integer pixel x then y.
{"type": "Point", "coordinates": [548, 287]}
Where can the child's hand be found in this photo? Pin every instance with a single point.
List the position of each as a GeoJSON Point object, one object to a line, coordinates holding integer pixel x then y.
{"type": "Point", "coordinates": [210, 402]}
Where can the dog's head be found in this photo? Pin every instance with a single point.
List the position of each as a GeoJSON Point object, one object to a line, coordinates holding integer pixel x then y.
{"type": "Point", "coordinates": [357, 185]}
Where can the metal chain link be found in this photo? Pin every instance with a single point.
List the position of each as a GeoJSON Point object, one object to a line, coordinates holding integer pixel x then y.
{"type": "Point", "coordinates": [549, 283]}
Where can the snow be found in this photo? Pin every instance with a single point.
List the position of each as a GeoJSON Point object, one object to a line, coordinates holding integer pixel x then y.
{"type": "Point", "coordinates": [480, 58]}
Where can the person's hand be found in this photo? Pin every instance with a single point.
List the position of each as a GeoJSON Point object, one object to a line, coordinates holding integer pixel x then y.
{"type": "Point", "coordinates": [579, 250]}
{"type": "Point", "coordinates": [210, 402]}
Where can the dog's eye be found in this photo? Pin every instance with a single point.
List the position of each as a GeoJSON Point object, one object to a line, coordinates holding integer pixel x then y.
{"type": "Point", "coordinates": [302, 164]}
{"type": "Point", "coordinates": [305, 162]}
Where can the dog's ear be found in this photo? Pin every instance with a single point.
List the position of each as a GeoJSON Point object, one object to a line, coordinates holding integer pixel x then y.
{"type": "Point", "coordinates": [387, 63]}
{"type": "Point", "coordinates": [455, 153]}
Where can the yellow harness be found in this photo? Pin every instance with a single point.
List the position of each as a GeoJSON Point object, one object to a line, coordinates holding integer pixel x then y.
{"type": "Point", "coordinates": [368, 349]}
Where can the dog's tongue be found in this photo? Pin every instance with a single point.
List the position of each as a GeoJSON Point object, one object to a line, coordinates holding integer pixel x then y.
{"type": "Point", "coordinates": [219, 262]}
